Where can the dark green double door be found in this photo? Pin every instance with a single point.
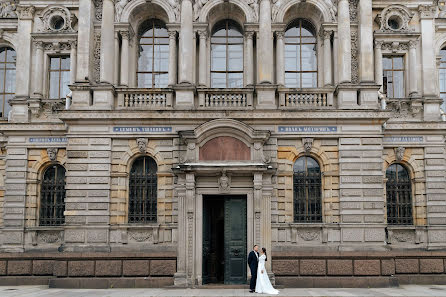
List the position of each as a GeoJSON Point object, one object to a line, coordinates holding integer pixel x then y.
{"type": "Point", "coordinates": [224, 239]}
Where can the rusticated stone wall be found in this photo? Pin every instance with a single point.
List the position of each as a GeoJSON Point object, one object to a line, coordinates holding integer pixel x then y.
{"type": "Point", "coordinates": [2, 182]}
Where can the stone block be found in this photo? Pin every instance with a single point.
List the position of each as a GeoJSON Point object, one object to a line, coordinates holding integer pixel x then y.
{"type": "Point", "coordinates": [108, 268]}
{"type": "Point", "coordinates": [19, 267]}
{"type": "Point", "coordinates": [74, 235]}
{"type": "Point", "coordinates": [2, 267]}
{"type": "Point", "coordinates": [81, 268]}
{"type": "Point", "coordinates": [60, 268]}
{"type": "Point", "coordinates": [286, 267]}
{"type": "Point", "coordinates": [339, 267]}
{"type": "Point", "coordinates": [135, 268]}
{"type": "Point", "coordinates": [312, 267]}
{"type": "Point", "coordinates": [406, 266]}
{"type": "Point", "coordinates": [431, 266]}
{"type": "Point", "coordinates": [97, 236]}
{"type": "Point", "coordinates": [367, 267]}
{"type": "Point", "coordinates": [162, 267]}
{"type": "Point", "coordinates": [388, 267]}
{"type": "Point", "coordinates": [43, 267]}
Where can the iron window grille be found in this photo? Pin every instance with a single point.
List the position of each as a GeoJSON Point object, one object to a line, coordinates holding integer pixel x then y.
{"type": "Point", "coordinates": [7, 77]}
{"type": "Point", "coordinates": [52, 196]}
{"type": "Point", "coordinates": [399, 196]}
{"type": "Point", "coordinates": [307, 191]}
{"type": "Point", "coordinates": [143, 191]}
{"type": "Point", "coordinates": [153, 60]}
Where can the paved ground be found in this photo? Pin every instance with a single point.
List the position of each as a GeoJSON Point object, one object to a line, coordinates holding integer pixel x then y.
{"type": "Point", "coordinates": [34, 291]}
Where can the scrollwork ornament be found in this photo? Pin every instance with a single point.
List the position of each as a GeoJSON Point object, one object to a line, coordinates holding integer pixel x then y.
{"type": "Point", "coordinates": [140, 236]}
{"type": "Point", "coordinates": [308, 235]}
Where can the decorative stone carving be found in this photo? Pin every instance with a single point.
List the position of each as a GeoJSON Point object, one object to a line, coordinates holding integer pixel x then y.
{"type": "Point", "coordinates": [427, 11]}
{"type": "Point", "coordinates": [25, 12]}
{"type": "Point", "coordinates": [176, 7]}
{"type": "Point", "coordinates": [198, 5]}
{"type": "Point", "coordinates": [399, 153]}
{"type": "Point", "coordinates": [308, 144]}
{"type": "Point", "coordinates": [140, 236]}
{"type": "Point", "coordinates": [394, 18]}
{"type": "Point", "coordinates": [308, 235]}
{"type": "Point", "coordinates": [275, 9]}
{"type": "Point", "coordinates": [119, 7]}
{"type": "Point", "coordinates": [254, 4]}
{"type": "Point", "coordinates": [57, 46]}
{"type": "Point", "coordinates": [224, 183]}
{"type": "Point", "coordinates": [403, 108]}
{"type": "Point", "coordinates": [353, 10]}
{"type": "Point", "coordinates": [8, 9]}
{"type": "Point", "coordinates": [97, 57]}
{"type": "Point", "coordinates": [57, 19]}
{"type": "Point", "coordinates": [98, 9]}
{"type": "Point", "coordinates": [52, 153]}
{"type": "Point", "coordinates": [354, 57]}
{"type": "Point", "coordinates": [403, 236]}
{"type": "Point", "coordinates": [142, 144]}
{"type": "Point", "coordinates": [48, 237]}
{"type": "Point", "coordinates": [333, 8]}
{"type": "Point", "coordinates": [442, 8]}
{"type": "Point", "coordinates": [395, 46]}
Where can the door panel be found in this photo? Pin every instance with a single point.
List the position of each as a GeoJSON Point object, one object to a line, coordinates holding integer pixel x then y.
{"type": "Point", "coordinates": [235, 240]}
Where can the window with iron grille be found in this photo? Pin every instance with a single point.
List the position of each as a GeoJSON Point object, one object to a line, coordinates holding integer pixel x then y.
{"type": "Point", "coordinates": [227, 55]}
{"type": "Point", "coordinates": [300, 55]}
{"type": "Point", "coordinates": [153, 60]}
{"type": "Point", "coordinates": [52, 196]}
{"type": "Point", "coordinates": [7, 79]}
{"type": "Point", "coordinates": [399, 196]}
{"type": "Point", "coordinates": [143, 191]}
{"type": "Point", "coordinates": [307, 191]}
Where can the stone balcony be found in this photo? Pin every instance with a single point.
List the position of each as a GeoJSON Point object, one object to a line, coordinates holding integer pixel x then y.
{"type": "Point", "coordinates": [140, 98]}
{"type": "Point", "coordinates": [306, 98]}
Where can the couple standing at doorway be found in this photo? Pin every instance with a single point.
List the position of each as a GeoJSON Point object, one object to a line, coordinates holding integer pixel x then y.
{"type": "Point", "coordinates": [260, 282]}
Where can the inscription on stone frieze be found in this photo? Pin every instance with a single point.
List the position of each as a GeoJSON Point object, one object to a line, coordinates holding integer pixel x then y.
{"type": "Point", "coordinates": [307, 129]}
{"type": "Point", "coordinates": [47, 139]}
{"type": "Point", "coordinates": [404, 139]}
{"type": "Point", "coordinates": [142, 129]}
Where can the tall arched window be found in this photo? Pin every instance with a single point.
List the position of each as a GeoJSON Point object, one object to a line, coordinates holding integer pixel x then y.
{"type": "Point", "coordinates": [443, 78]}
{"type": "Point", "coordinates": [143, 191]}
{"type": "Point", "coordinates": [300, 55]}
{"type": "Point", "coordinates": [153, 60]}
{"type": "Point", "coordinates": [227, 55]}
{"type": "Point", "coordinates": [307, 190]}
{"type": "Point", "coordinates": [52, 196]}
{"type": "Point", "coordinates": [7, 79]}
{"type": "Point", "coordinates": [399, 196]}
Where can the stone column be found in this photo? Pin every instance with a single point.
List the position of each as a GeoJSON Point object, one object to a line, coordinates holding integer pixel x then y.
{"type": "Point", "coordinates": [327, 58]}
{"type": "Point", "coordinates": [186, 43]}
{"type": "Point", "coordinates": [249, 58]}
{"type": "Point", "coordinates": [344, 42]}
{"type": "Point", "coordinates": [73, 61]}
{"type": "Point", "coordinates": [172, 58]}
{"type": "Point", "coordinates": [86, 17]}
{"type": "Point", "coordinates": [280, 59]}
{"type": "Point", "coordinates": [335, 55]}
{"type": "Point", "coordinates": [38, 69]}
{"type": "Point", "coordinates": [379, 64]}
{"type": "Point", "coordinates": [365, 36]}
{"type": "Point", "coordinates": [413, 83]}
{"type": "Point", "coordinates": [117, 68]}
{"type": "Point", "coordinates": [265, 66]}
{"type": "Point", "coordinates": [203, 58]}
{"type": "Point", "coordinates": [125, 58]}
{"type": "Point", "coordinates": [107, 41]}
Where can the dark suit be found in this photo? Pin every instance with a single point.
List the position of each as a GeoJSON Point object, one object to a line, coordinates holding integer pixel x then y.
{"type": "Point", "coordinates": [253, 262]}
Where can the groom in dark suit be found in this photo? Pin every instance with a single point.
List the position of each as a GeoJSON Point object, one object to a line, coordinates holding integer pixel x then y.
{"type": "Point", "coordinates": [253, 262]}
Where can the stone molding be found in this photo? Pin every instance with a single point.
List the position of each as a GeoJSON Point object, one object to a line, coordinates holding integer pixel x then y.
{"type": "Point", "coordinates": [25, 12]}
{"type": "Point", "coordinates": [400, 15]}
{"type": "Point", "coordinates": [53, 14]}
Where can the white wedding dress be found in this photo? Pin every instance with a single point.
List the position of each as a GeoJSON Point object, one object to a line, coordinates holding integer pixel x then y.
{"type": "Point", "coordinates": [263, 285]}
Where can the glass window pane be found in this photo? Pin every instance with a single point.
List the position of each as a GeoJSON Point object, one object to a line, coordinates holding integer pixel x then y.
{"type": "Point", "coordinates": [161, 58]}
{"type": "Point", "coordinates": [2, 80]}
{"type": "Point", "coordinates": [442, 80]}
{"type": "Point", "coordinates": [218, 57]}
{"type": "Point", "coordinates": [293, 31]}
{"type": "Point", "coordinates": [144, 80]}
{"type": "Point", "coordinates": [292, 79]}
{"type": "Point", "coordinates": [398, 63]}
{"type": "Point", "coordinates": [308, 57]}
{"type": "Point", "coordinates": [145, 58]}
{"type": "Point", "coordinates": [218, 80]}
{"type": "Point", "coordinates": [161, 32]}
{"type": "Point", "coordinates": [292, 58]}
{"type": "Point", "coordinates": [309, 79]}
{"type": "Point", "coordinates": [10, 81]}
{"type": "Point", "coordinates": [387, 63]}
{"type": "Point", "coordinates": [398, 84]}
{"type": "Point", "coordinates": [443, 96]}
{"type": "Point", "coordinates": [7, 107]}
{"type": "Point", "coordinates": [161, 80]}
{"type": "Point", "coordinates": [55, 63]}
{"type": "Point", "coordinates": [65, 63]}
{"type": "Point", "coordinates": [235, 80]}
{"type": "Point", "coordinates": [11, 56]}
{"type": "Point", "coordinates": [3, 54]}
{"type": "Point", "coordinates": [64, 82]}
{"type": "Point", "coordinates": [54, 85]}
{"type": "Point", "coordinates": [235, 57]}
{"type": "Point", "coordinates": [299, 165]}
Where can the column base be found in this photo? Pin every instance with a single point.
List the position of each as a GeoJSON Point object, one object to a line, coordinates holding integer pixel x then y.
{"type": "Point", "coordinates": [185, 96]}
{"type": "Point", "coordinates": [180, 280]}
{"type": "Point", "coordinates": [368, 96]}
{"type": "Point", "coordinates": [19, 110]}
{"type": "Point", "coordinates": [81, 96]}
{"type": "Point", "coordinates": [266, 96]}
{"type": "Point", "coordinates": [347, 96]}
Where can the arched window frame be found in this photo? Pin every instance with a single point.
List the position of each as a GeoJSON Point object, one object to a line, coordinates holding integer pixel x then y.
{"type": "Point", "coordinates": [55, 220]}
{"type": "Point", "coordinates": [139, 218]}
{"type": "Point", "coordinates": [4, 94]}
{"type": "Point", "coordinates": [155, 38]}
{"type": "Point", "coordinates": [319, 208]}
{"type": "Point", "coordinates": [229, 23]}
{"type": "Point", "coordinates": [301, 23]}
{"type": "Point", "coordinates": [411, 222]}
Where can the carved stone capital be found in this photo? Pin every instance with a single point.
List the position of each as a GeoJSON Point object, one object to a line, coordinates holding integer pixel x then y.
{"type": "Point", "coordinates": [172, 34]}
{"type": "Point", "coordinates": [326, 34]}
{"type": "Point", "coordinates": [203, 34]}
{"type": "Point", "coordinates": [280, 34]}
{"type": "Point", "coordinates": [413, 43]}
{"type": "Point", "coordinates": [26, 12]}
{"type": "Point", "coordinates": [38, 44]}
{"type": "Point", "coordinates": [427, 11]}
{"type": "Point", "coordinates": [378, 44]}
{"type": "Point", "coordinates": [249, 34]}
{"type": "Point", "coordinates": [125, 34]}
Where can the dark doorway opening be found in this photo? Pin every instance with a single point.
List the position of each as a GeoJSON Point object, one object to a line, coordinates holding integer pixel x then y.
{"type": "Point", "coordinates": [224, 239]}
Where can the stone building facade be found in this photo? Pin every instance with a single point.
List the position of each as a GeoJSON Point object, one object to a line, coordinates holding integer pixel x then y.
{"type": "Point", "coordinates": [153, 143]}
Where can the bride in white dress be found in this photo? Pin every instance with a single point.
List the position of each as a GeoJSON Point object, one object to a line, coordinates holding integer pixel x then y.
{"type": "Point", "coordinates": [263, 285]}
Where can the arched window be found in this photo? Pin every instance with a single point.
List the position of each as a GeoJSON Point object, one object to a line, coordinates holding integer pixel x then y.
{"type": "Point", "coordinates": [143, 191]}
{"type": "Point", "coordinates": [227, 55]}
{"type": "Point", "coordinates": [153, 60]}
{"type": "Point", "coordinates": [399, 196]}
{"type": "Point", "coordinates": [300, 55]}
{"type": "Point", "coordinates": [307, 191]}
{"type": "Point", "coordinates": [52, 196]}
{"type": "Point", "coordinates": [7, 79]}
{"type": "Point", "coordinates": [443, 78]}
